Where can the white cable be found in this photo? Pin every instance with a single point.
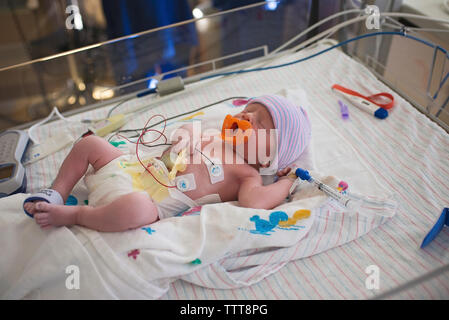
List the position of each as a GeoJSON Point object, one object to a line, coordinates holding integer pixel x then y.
{"type": "Point", "coordinates": [327, 32]}
{"type": "Point", "coordinates": [315, 26]}
{"type": "Point", "coordinates": [446, 6]}
{"type": "Point", "coordinates": [267, 59]}
{"type": "Point", "coordinates": [56, 112]}
{"type": "Point", "coordinates": [355, 5]}
{"type": "Point", "coordinates": [360, 18]}
{"type": "Point", "coordinates": [159, 100]}
{"type": "Point", "coordinates": [414, 16]}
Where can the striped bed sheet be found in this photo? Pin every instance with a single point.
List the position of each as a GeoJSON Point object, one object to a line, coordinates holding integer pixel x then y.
{"type": "Point", "coordinates": [407, 154]}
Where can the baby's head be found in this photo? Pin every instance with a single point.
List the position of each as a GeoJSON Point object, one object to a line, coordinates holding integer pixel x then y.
{"type": "Point", "coordinates": [292, 129]}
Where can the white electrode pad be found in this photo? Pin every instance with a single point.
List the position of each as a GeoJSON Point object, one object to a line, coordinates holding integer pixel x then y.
{"type": "Point", "coordinates": [215, 169]}
{"type": "Point", "coordinates": [185, 182]}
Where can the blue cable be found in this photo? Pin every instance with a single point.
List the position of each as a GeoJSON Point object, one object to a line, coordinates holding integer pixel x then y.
{"type": "Point", "coordinates": [374, 34]}
{"type": "Point", "coordinates": [146, 92]}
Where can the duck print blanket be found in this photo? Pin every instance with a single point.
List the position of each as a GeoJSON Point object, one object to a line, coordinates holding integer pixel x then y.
{"type": "Point", "coordinates": [217, 246]}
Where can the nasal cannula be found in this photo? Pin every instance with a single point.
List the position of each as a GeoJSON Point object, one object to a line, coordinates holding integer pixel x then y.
{"type": "Point", "coordinates": [334, 194]}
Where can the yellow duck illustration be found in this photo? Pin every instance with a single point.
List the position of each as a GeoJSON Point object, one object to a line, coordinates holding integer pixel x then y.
{"type": "Point", "coordinates": [298, 215]}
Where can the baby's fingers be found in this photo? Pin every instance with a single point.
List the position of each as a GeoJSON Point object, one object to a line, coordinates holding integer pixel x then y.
{"type": "Point", "coordinates": [283, 172]}
{"type": "Point", "coordinates": [180, 145]}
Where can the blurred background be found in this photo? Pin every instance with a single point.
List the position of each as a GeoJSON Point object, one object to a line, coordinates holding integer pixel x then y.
{"type": "Point", "coordinates": [126, 43]}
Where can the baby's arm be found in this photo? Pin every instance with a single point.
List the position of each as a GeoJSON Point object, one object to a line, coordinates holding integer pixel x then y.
{"type": "Point", "coordinates": [253, 194]}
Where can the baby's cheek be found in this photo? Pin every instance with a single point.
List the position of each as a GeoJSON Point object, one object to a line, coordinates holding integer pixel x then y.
{"type": "Point", "coordinates": [263, 143]}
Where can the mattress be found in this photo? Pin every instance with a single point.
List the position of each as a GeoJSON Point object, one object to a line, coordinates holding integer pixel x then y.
{"type": "Point", "coordinates": [405, 155]}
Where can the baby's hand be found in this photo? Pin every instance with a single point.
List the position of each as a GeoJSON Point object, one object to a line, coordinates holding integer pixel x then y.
{"type": "Point", "coordinates": [183, 138]}
{"type": "Point", "coordinates": [286, 174]}
{"type": "Point", "coordinates": [283, 172]}
{"type": "Point", "coordinates": [187, 144]}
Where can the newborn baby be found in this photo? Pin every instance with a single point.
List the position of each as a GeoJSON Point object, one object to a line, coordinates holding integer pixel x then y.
{"type": "Point", "coordinates": [126, 192]}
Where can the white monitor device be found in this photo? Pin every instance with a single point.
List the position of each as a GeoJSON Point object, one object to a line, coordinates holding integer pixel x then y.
{"type": "Point", "coordinates": [13, 144]}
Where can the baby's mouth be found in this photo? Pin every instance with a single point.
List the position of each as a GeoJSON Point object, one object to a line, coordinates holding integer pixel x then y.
{"type": "Point", "coordinates": [234, 128]}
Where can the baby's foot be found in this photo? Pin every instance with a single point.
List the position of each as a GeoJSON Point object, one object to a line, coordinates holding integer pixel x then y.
{"type": "Point", "coordinates": [30, 207]}
{"type": "Point", "coordinates": [47, 214]}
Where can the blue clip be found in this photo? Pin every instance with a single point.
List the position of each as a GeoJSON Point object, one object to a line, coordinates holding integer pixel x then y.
{"type": "Point", "coordinates": [436, 229]}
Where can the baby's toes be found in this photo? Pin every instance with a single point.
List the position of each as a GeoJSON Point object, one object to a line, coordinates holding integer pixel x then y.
{"type": "Point", "coordinates": [42, 206]}
{"type": "Point", "coordinates": [42, 219]}
{"type": "Point", "coordinates": [29, 206]}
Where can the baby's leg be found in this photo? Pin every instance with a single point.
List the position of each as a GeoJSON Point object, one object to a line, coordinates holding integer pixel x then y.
{"type": "Point", "coordinates": [129, 211]}
{"type": "Point", "coordinates": [89, 150]}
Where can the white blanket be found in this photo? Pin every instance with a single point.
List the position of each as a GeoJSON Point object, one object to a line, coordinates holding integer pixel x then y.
{"type": "Point", "coordinates": [139, 264]}
{"type": "Point", "coordinates": [223, 246]}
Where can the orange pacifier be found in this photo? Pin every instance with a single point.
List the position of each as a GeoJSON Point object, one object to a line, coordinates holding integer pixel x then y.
{"type": "Point", "coordinates": [235, 130]}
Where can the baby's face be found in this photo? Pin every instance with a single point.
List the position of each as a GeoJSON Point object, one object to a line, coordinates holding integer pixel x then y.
{"type": "Point", "coordinates": [261, 122]}
{"type": "Point", "coordinates": [257, 115]}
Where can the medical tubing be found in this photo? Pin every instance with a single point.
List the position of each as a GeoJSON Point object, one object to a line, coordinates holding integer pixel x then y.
{"type": "Point", "coordinates": [316, 25]}
{"type": "Point", "coordinates": [411, 15]}
{"type": "Point", "coordinates": [186, 113]}
{"type": "Point", "coordinates": [337, 27]}
{"type": "Point", "coordinates": [325, 33]}
{"type": "Point", "coordinates": [374, 34]}
{"type": "Point", "coordinates": [163, 88]}
{"type": "Point", "coordinates": [54, 112]}
{"type": "Point", "coordinates": [145, 130]}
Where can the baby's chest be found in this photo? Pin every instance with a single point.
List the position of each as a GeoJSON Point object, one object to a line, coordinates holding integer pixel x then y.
{"type": "Point", "coordinates": [213, 178]}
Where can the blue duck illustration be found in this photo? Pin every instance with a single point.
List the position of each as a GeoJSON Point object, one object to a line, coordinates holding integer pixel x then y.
{"type": "Point", "coordinates": [264, 226]}
{"type": "Point", "coordinates": [149, 230]}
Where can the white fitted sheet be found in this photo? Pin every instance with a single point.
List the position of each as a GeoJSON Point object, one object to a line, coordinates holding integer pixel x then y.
{"type": "Point", "coordinates": [405, 155]}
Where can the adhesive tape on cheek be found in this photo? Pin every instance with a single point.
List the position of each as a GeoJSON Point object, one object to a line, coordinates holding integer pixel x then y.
{"type": "Point", "coordinates": [185, 182]}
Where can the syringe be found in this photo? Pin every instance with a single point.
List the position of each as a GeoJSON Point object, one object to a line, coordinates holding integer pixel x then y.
{"type": "Point", "coordinates": [334, 194]}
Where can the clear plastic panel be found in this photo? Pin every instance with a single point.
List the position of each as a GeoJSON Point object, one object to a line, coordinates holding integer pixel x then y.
{"type": "Point", "coordinates": [91, 76]}
{"type": "Point", "coordinates": [114, 70]}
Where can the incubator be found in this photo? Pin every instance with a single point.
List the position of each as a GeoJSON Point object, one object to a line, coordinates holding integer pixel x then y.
{"type": "Point", "coordinates": [98, 76]}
